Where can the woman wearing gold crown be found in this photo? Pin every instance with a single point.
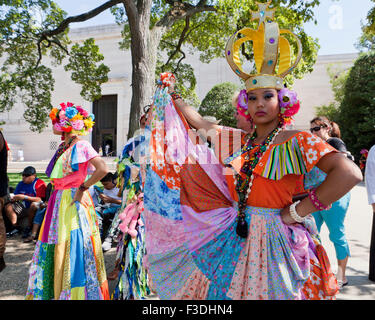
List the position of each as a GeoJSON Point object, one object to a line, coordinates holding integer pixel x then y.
{"type": "Point", "coordinates": [68, 260]}
{"type": "Point", "coordinates": [223, 225]}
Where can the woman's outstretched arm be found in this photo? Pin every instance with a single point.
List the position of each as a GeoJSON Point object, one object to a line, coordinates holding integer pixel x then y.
{"type": "Point", "coordinates": [193, 117]}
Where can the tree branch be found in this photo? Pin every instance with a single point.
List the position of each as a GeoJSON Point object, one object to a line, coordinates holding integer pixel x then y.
{"type": "Point", "coordinates": [43, 36]}
{"type": "Point", "coordinates": [180, 42]}
{"type": "Point", "coordinates": [80, 18]}
{"type": "Point", "coordinates": [184, 35]}
{"type": "Point", "coordinates": [131, 11]}
{"type": "Point", "coordinates": [181, 10]}
{"type": "Point", "coordinates": [179, 61]}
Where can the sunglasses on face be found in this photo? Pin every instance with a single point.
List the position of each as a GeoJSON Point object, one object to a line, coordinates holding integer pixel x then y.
{"type": "Point", "coordinates": [26, 175]}
{"type": "Point", "coordinates": [315, 129]}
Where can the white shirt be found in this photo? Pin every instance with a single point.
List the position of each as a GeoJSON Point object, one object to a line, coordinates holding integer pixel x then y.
{"type": "Point", "coordinates": [113, 193]}
{"type": "Point", "coordinates": [94, 196]}
{"type": "Point", "coordinates": [370, 175]}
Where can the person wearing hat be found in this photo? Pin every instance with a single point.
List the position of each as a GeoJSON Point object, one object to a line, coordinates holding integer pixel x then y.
{"type": "Point", "coordinates": [67, 263]}
{"type": "Point", "coordinates": [30, 191]}
{"type": "Point", "coordinates": [224, 225]}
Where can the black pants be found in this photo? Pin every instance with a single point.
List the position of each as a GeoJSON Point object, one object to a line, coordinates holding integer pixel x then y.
{"type": "Point", "coordinates": [372, 251]}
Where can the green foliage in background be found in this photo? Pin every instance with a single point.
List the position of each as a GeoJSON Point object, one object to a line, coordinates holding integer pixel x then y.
{"type": "Point", "coordinates": [338, 76]}
{"type": "Point", "coordinates": [33, 29]}
{"type": "Point", "coordinates": [218, 104]}
{"type": "Point", "coordinates": [367, 40]}
{"type": "Point", "coordinates": [357, 109]}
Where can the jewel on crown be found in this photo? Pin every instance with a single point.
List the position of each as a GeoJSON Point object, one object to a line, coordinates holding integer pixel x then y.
{"type": "Point", "coordinates": [271, 51]}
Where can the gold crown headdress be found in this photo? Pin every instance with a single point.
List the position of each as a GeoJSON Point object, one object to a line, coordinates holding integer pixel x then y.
{"type": "Point", "coordinates": [270, 49]}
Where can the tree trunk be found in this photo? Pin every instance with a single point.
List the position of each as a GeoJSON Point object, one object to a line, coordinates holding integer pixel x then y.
{"type": "Point", "coordinates": [143, 75]}
{"type": "Point", "coordinates": [144, 45]}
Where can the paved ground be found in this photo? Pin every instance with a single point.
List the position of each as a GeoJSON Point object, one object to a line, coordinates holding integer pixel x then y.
{"type": "Point", "coordinates": [13, 280]}
{"type": "Point", "coordinates": [358, 231]}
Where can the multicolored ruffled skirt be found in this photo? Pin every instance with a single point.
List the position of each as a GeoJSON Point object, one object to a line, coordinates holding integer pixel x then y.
{"type": "Point", "coordinates": [132, 280]}
{"type": "Point", "coordinates": [275, 262]}
{"type": "Point", "coordinates": [68, 260]}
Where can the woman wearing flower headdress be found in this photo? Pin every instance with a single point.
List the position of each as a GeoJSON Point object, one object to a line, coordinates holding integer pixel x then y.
{"type": "Point", "coordinates": [68, 261]}
{"type": "Point", "coordinates": [224, 225]}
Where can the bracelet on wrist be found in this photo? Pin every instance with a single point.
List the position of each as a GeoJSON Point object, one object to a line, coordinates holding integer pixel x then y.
{"type": "Point", "coordinates": [315, 201]}
{"type": "Point", "coordinates": [25, 198]}
{"type": "Point", "coordinates": [293, 213]}
{"type": "Point", "coordinates": [82, 187]}
{"type": "Point", "coordinates": [175, 95]}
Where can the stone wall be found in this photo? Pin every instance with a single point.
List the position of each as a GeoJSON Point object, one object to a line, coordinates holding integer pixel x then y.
{"type": "Point", "coordinates": [313, 90]}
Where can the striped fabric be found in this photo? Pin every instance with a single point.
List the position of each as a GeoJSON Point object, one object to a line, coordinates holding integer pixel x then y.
{"type": "Point", "coordinates": [284, 159]}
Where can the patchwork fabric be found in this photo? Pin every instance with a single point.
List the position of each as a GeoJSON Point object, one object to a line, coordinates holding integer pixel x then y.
{"type": "Point", "coordinates": [68, 261]}
{"type": "Point", "coordinates": [193, 250]}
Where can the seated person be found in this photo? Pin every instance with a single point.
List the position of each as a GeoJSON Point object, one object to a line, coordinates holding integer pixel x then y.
{"type": "Point", "coordinates": [39, 216]}
{"type": "Point", "coordinates": [110, 202]}
{"type": "Point", "coordinates": [28, 193]}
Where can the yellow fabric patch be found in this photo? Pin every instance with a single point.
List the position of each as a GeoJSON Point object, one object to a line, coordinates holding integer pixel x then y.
{"type": "Point", "coordinates": [77, 293]}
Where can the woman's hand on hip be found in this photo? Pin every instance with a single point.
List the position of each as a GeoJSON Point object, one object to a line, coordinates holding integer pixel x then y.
{"type": "Point", "coordinates": [286, 217]}
{"type": "Point", "coordinates": [77, 197]}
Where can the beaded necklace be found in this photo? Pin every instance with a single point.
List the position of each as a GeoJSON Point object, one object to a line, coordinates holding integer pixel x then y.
{"type": "Point", "coordinates": [243, 185]}
{"type": "Point", "coordinates": [63, 147]}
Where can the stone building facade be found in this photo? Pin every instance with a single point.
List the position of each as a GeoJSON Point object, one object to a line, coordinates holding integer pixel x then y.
{"type": "Point", "coordinates": [313, 90]}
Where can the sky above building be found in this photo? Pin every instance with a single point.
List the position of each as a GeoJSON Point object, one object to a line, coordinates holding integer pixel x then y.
{"type": "Point", "coordinates": [338, 21]}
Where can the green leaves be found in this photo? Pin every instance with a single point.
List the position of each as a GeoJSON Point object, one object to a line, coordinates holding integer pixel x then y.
{"type": "Point", "coordinates": [22, 78]}
{"type": "Point", "coordinates": [357, 109]}
{"type": "Point", "coordinates": [28, 33]}
{"type": "Point", "coordinates": [218, 103]}
{"type": "Point", "coordinates": [367, 40]}
{"type": "Point", "coordinates": [84, 63]}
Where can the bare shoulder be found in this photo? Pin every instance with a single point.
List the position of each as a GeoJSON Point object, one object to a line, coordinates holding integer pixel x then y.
{"type": "Point", "coordinates": [285, 135]}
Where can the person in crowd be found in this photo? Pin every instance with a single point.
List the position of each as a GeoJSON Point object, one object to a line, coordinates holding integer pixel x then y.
{"type": "Point", "coordinates": [3, 193]}
{"type": "Point", "coordinates": [370, 187]}
{"type": "Point", "coordinates": [67, 264]}
{"type": "Point", "coordinates": [362, 160]}
{"type": "Point", "coordinates": [334, 218]}
{"type": "Point", "coordinates": [110, 203]}
{"type": "Point", "coordinates": [130, 271]}
{"type": "Point", "coordinates": [228, 228]}
{"type": "Point", "coordinates": [130, 154]}
{"type": "Point", "coordinates": [29, 192]}
{"type": "Point", "coordinates": [39, 216]}
{"type": "Point", "coordinates": [330, 132]}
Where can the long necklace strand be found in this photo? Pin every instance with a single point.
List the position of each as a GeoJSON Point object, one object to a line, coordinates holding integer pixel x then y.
{"type": "Point", "coordinates": [243, 185]}
{"type": "Point", "coordinates": [63, 147]}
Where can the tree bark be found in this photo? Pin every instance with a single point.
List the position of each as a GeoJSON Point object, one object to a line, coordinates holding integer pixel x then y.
{"type": "Point", "coordinates": [143, 75]}
{"type": "Point", "coordinates": [144, 44]}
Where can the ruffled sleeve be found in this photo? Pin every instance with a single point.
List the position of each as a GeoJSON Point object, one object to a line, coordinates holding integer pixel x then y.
{"type": "Point", "coordinates": [313, 149]}
{"type": "Point", "coordinates": [82, 152]}
{"type": "Point", "coordinates": [298, 155]}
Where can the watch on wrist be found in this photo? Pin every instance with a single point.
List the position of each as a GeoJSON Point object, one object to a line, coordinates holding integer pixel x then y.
{"type": "Point", "coordinates": [82, 187]}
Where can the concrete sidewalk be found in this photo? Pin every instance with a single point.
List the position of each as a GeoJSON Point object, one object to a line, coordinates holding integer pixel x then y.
{"type": "Point", "coordinates": [358, 225]}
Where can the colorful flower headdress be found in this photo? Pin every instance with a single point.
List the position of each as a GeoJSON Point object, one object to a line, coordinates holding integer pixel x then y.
{"type": "Point", "coordinates": [272, 51]}
{"type": "Point", "coordinates": [289, 105]}
{"type": "Point", "coordinates": [70, 118]}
